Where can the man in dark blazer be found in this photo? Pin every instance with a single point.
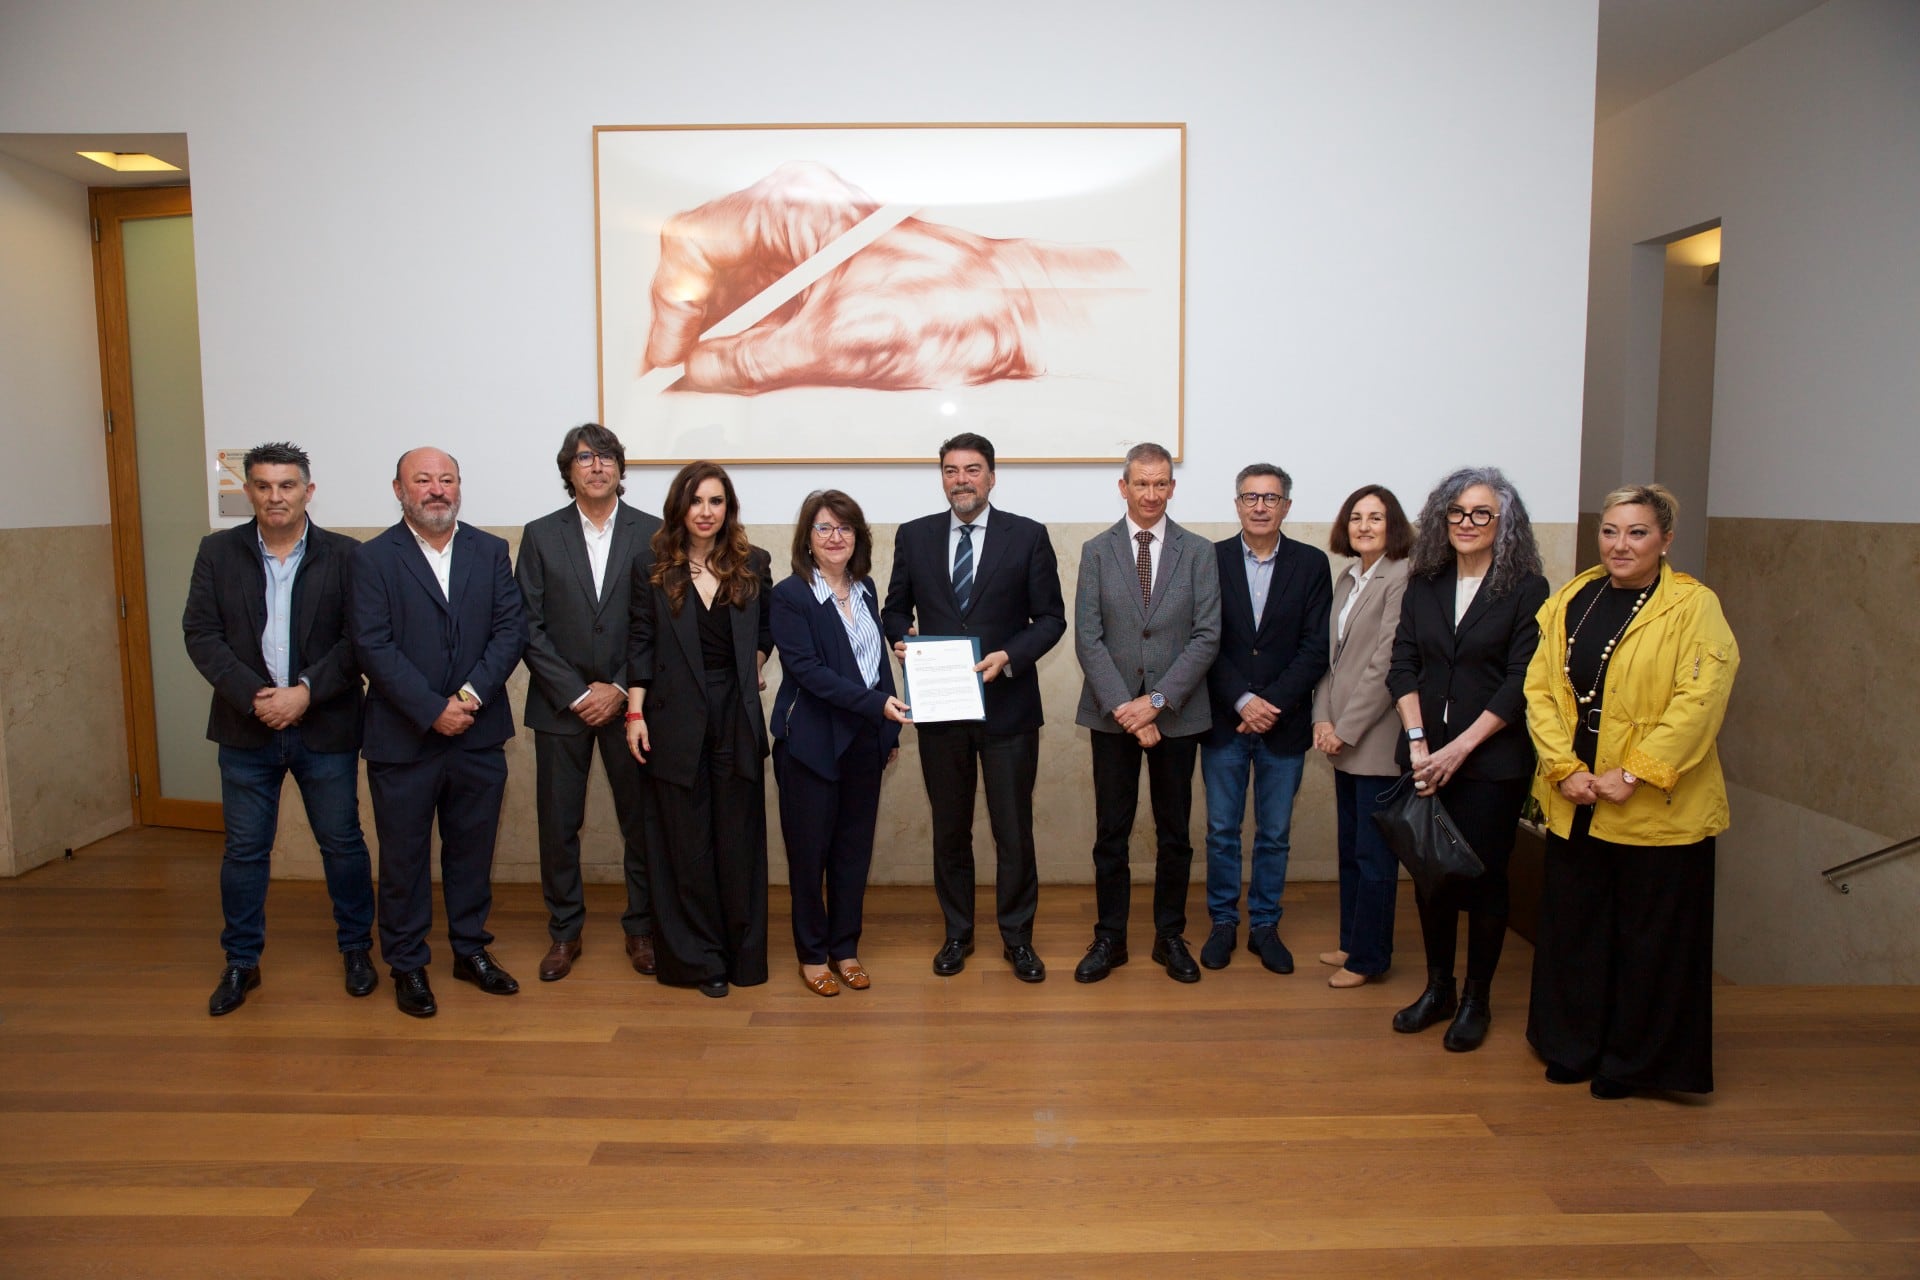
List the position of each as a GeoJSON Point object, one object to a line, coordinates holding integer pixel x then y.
{"type": "Point", "coordinates": [575, 573]}
{"type": "Point", "coordinates": [976, 570]}
{"type": "Point", "coordinates": [1146, 626]}
{"type": "Point", "coordinates": [438, 626]}
{"type": "Point", "coordinates": [1274, 595]}
{"type": "Point", "coordinates": [266, 624]}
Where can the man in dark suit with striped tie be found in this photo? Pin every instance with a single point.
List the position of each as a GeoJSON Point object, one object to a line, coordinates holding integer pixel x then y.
{"type": "Point", "coordinates": [976, 570]}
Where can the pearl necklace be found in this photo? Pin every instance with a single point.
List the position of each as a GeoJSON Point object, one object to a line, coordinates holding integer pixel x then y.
{"type": "Point", "coordinates": [1606, 650]}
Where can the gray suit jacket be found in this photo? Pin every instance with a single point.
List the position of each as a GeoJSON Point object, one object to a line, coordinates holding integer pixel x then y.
{"type": "Point", "coordinates": [575, 635]}
{"type": "Point", "coordinates": [1127, 649]}
{"type": "Point", "coordinates": [1353, 696]}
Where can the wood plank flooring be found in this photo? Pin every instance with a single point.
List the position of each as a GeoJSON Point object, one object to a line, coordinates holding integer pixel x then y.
{"type": "Point", "coordinates": [1253, 1125]}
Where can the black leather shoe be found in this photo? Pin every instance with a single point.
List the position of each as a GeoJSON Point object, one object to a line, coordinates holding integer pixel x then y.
{"type": "Point", "coordinates": [1217, 951]}
{"type": "Point", "coordinates": [1608, 1089]}
{"type": "Point", "coordinates": [361, 979]}
{"type": "Point", "coordinates": [1437, 1002]}
{"type": "Point", "coordinates": [1102, 958]}
{"type": "Point", "coordinates": [952, 957]}
{"type": "Point", "coordinates": [1026, 965]}
{"type": "Point", "coordinates": [485, 973]}
{"type": "Point", "coordinates": [714, 988]}
{"type": "Point", "coordinates": [1172, 952]}
{"type": "Point", "coordinates": [1264, 941]}
{"type": "Point", "coordinates": [235, 982]}
{"type": "Point", "coordinates": [413, 995]}
{"type": "Point", "coordinates": [1469, 1029]}
{"type": "Point", "coordinates": [1557, 1074]}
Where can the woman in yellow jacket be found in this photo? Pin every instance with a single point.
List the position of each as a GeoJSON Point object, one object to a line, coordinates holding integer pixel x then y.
{"type": "Point", "coordinates": [1625, 696]}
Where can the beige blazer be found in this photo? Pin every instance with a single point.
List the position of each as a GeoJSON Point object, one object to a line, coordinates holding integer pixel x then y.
{"type": "Point", "coordinates": [1353, 694]}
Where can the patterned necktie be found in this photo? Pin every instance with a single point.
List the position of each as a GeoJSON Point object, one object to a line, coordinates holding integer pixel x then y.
{"type": "Point", "coordinates": [1143, 564]}
{"type": "Point", "coordinates": [963, 568]}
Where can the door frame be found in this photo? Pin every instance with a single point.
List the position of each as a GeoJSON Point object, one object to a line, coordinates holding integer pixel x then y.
{"type": "Point", "coordinates": [109, 208]}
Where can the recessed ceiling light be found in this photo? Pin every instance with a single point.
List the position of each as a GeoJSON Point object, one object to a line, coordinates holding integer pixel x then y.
{"type": "Point", "coordinates": [130, 161]}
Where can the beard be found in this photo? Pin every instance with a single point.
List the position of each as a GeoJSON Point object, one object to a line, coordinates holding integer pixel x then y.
{"type": "Point", "coordinates": [429, 518]}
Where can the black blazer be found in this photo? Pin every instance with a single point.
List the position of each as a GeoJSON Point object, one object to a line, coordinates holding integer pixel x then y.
{"type": "Point", "coordinates": [663, 657]}
{"type": "Point", "coordinates": [1481, 665]}
{"type": "Point", "coordinates": [1015, 605]}
{"type": "Point", "coordinates": [418, 646]}
{"type": "Point", "coordinates": [574, 635]}
{"type": "Point", "coordinates": [1282, 658]}
{"type": "Point", "coordinates": [824, 700]}
{"type": "Point", "coordinates": [226, 612]}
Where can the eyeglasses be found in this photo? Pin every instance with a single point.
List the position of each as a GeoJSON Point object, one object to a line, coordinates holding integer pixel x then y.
{"type": "Point", "coordinates": [1261, 499]}
{"type": "Point", "coordinates": [587, 457]}
{"type": "Point", "coordinates": [1479, 517]}
{"type": "Point", "coordinates": [833, 530]}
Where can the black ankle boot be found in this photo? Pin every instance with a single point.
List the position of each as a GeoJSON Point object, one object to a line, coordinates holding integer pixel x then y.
{"type": "Point", "coordinates": [1469, 1029]}
{"type": "Point", "coordinates": [1434, 1004]}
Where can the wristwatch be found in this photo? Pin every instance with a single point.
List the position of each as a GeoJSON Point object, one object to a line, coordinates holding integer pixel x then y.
{"type": "Point", "coordinates": [1416, 734]}
{"type": "Point", "coordinates": [1157, 700]}
{"type": "Point", "coordinates": [1629, 779]}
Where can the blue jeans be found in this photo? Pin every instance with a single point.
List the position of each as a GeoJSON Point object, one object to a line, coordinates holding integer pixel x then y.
{"type": "Point", "coordinates": [1276, 780]}
{"type": "Point", "coordinates": [1369, 874]}
{"type": "Point", "coordinates": [250, 781]}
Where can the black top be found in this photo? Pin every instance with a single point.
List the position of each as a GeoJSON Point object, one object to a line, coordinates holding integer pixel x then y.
{"type": "Point", "coordinates": [1611, 607]}
{"type": "Point", "coordinates": [716, 633]}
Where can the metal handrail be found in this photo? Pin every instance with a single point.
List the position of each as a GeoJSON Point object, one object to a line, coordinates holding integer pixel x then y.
{"type": "Point", "coordinates": [1894, 850]}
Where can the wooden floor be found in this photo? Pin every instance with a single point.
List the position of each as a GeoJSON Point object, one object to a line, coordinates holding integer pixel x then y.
{"type": "Point", "coordinates": [606, 1126]}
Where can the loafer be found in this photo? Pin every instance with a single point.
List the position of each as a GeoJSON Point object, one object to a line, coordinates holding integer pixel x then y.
{"type": "Point", "coordinates": [361, 979]}
{"type": "Point", "coordinates": [1217, 951]}
{"type": "Point", "coordinates": [952, 957]}
{"type": "Point", "coordinates": [485, 973]}
{"type": "Point", "coordinates": [413, 995]}
{"type": "Point", "coordinates": [640, 953]}
{"type": "Point", "coordinates": [235, 981]}
{"type": "Point", "coordinates": [1265, 942]}
{"type": "Point", "coordinates": [714, 988]}
{"type": "Point", "coordinates": [1026, 964]}
{"type": "Point", "coordinates": [559, 960]}
{"type": "Point", "coordinates": [1172, 952]}
{"type": "Point", "coordinates": [1104, 955]}
{"type": "Point", "coordinates": [851, 974]}
{"type": "Point", "coordinates": [821, 984]}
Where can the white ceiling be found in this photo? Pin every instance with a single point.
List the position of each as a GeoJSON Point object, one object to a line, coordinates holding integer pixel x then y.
{"type": "Point", "coordinates": [1647, 45]}
{"type": "Point", "coordinates": [59, 152]}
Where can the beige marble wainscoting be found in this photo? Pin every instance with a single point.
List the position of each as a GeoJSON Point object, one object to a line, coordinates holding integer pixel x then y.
{"type": "Point", "coordinates": [1063, 800]}
{"type": "Point", "coordinates": [63, 745]}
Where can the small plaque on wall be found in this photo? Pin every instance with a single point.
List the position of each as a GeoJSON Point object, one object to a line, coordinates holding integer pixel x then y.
{"type": "Point", "coordinates": [230, 479]}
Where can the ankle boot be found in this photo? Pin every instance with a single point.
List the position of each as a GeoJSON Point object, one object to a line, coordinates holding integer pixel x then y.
{"type": "Point", "coordinates": [1435, 1003]}
{"type": "Point", "coordinates": [1469, 1029]}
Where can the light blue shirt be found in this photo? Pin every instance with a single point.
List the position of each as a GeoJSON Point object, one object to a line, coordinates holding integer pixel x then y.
{"type": "Point", "coordinates": [863, 633]}
{"type": "Point", "coordinates": [979, 523]}
{"type": "Point", "coordinates": [276, 642]}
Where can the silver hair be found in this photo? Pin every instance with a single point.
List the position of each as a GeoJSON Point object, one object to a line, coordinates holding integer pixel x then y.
{"type": "Point", "coordinates": [1515, 554]}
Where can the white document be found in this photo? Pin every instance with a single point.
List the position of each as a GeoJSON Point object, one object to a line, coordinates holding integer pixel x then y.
{"type": "Point", "coordinates": [941, 684]}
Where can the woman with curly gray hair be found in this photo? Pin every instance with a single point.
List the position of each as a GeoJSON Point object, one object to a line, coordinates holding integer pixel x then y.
{"type": "Point", "coordinates": [1467, 632]}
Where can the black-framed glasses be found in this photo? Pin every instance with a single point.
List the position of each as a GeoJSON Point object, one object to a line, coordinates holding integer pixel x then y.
{"type": "Point", "coordinates": [587, 457]}
{"type": "Point", "coordinates": [1261, 499]}
{"type": "Point", "coordinates": [1479, 517]}
{"type": "Point", "coordinates": [834, 530]}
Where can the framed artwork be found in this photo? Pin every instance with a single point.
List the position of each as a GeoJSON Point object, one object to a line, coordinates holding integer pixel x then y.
{"type": "Point", "coordinates": [859, 293]}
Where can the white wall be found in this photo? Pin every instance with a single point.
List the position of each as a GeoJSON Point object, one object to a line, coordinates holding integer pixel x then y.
{"type": "Point", "coordinates": [1806, 144]}
{"type": "Point", "coordinates": [52, 457]}
{"type": "Point", "coordinates": [1387, 213]}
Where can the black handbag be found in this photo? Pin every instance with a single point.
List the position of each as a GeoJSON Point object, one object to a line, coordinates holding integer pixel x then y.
{"type": "Point", "coordinates": [1423, 836]}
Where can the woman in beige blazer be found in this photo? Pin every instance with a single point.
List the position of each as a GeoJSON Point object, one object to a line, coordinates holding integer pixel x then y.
{"type": "Point", "coordinates": [1355, 724]}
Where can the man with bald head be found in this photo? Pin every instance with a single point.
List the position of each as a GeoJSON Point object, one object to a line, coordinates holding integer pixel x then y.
{"type": "Point", "coordinates": [438, 625]}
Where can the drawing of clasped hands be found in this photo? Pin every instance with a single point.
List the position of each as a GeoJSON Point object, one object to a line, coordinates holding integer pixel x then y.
{"type": "Point", "coordinates": [923, 306]}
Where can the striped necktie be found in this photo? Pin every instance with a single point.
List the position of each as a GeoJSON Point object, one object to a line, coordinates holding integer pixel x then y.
{"type": "Point", "coordinates": [963, 568]}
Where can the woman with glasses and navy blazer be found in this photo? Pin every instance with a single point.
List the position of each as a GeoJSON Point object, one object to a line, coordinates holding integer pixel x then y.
{"type": "Point", "coordinates": [836, 727]}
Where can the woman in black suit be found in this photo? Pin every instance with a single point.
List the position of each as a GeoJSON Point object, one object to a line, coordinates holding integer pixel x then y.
{"type": "Point", "coordinates": [1467, 632]}
{"type": "Point", "coordinates": [836, 726]}
{"type": "Point", "coordinates": [699, 637]}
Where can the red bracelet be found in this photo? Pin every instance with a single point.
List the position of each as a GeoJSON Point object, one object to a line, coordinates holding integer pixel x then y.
{"type": "Point", "coordinates": [634, 715]}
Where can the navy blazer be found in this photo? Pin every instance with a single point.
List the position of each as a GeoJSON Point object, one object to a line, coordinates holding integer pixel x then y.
{"type": "Point", "coordinates": [1282, 657]}
{"type": "Point", "coordinates": [1480, 665]}
{"type": "Point", "coordinates": [1015, 604]}
{"type": "Point", "coordinates": [823, 700]}
{"type": "Point", "coordinates": [418, 647]}
{"type": "Point", "coordinates": [227, 613]}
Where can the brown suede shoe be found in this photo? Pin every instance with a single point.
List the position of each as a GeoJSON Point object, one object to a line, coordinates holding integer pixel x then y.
{"type": "Point", "coordinates": [559, 961]}
{"type": "Point", "coordinates": [640, 951]}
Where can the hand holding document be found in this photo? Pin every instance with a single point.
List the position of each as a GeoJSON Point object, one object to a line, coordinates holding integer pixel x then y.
{"type": "Point", "coordinates": [941, 683]}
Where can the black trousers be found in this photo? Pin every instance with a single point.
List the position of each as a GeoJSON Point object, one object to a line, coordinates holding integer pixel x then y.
{"type": "Point", "coordinates": [709, 868]}
{"type": "Point", "coordinates": [562, 763]}
{"type": "Point", "coordinates": [1488, 815]}
{"type": "Point", "coordinates": [952, 757]}
{"type": "Point", "coordinates": [1116, 795]}
{"type": "Point", "coordinates": [828, 828]}
{"type": "Point", "coordinates": [1623, 970]}
{"type": "Point", "coordinates": [463, 789]}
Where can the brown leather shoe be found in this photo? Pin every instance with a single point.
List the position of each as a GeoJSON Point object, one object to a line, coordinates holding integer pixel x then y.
{"type": "Point", "coordinates": [640, 951]}
{"type": "Point", "coordinates": [852, 975]}
{"type": "Point", "coordinates": [559, 961]}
